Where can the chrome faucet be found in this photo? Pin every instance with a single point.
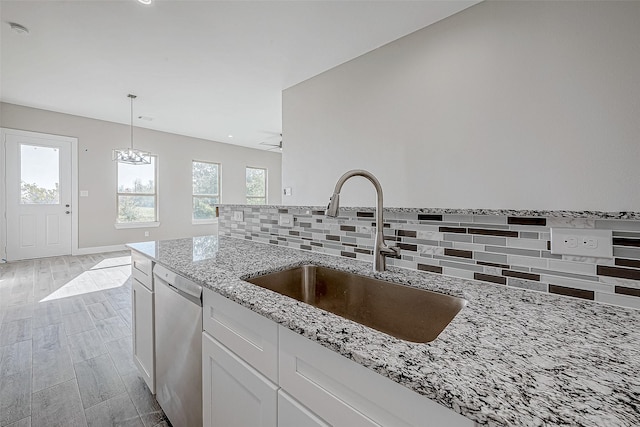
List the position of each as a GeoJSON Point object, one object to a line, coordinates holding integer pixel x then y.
{"type": "Point", "coordinates": [381, 250]}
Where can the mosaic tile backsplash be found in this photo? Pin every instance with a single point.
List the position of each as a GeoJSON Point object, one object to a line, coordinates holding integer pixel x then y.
{"type": "Point", "coordinates": [510, 248]}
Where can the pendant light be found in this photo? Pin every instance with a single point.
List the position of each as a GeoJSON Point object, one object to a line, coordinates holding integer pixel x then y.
{"type": "Point", "coordinates": [131, 155]}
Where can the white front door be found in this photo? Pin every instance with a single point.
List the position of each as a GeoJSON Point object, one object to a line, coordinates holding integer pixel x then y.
{"type": "Point", "coordinates": [38, 195]}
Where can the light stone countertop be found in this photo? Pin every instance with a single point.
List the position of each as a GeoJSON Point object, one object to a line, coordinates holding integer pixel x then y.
{"type": "Point", "coordinates": [510, 357]}
{"type": "Point", "coordinates": [454, 211]}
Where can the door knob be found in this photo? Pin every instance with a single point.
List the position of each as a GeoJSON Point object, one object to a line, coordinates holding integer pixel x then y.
{"type": "Point", "coordinates": [67, 212]}
{"type": "Point", "coordinates": [66, 206]}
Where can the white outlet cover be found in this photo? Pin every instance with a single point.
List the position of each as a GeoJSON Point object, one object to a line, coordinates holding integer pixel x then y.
{"type": "Point", "coordinates": [238, 216]}
{"type": "Point", "coordinates": [84, 193]}
{"type": "Point", "coordinates": [285, 220]}
{"type": "Point", "coordinates": [582, 242]}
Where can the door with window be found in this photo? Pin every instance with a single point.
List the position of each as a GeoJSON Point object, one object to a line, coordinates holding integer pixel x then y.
{"type": "Point", "coordinates": [38, 195]}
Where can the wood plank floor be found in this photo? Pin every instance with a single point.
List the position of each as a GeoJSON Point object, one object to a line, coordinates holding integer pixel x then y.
{"type": "Point", "coordinates": [65, 345]}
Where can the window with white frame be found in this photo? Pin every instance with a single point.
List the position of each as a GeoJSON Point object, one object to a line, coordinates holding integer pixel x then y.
{"type": "Point", "coordinates": [137, 197]}
{"type": "Point", "coordinates": [256, 186]}
{"type": "Point", "coordinates": [206, 190]}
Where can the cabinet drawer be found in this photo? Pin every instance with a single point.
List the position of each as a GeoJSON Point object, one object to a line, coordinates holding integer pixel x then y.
{"type": "Point", "coordinates": [345, 393]}
{"type": "Point", "coordinates": [141, 269]}
{"type": "Point", "coordinates": [252, 337]}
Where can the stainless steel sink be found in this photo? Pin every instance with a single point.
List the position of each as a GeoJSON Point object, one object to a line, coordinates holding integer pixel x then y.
{"type": "Point", "coordinates": [404, 312]}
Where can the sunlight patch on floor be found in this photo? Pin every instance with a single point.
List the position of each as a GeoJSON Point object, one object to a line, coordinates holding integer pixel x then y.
{"type": "Point", "coordinates": [92, 281]}
{"type": "Point", "coordinates": [113, 262]}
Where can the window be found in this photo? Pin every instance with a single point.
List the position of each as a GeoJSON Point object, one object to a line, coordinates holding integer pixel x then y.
{"type": "Point", "coordinates": [256, 186]}
{"type": "Point", "coordinates": [206, 190]}
{"type": "Point", "coordinates": [39, 175]}
{"type": "Point", "coordinates": [137, 193]}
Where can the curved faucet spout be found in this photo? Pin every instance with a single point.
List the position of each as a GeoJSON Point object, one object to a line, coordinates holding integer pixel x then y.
{"type": "Point", "coordinates": [334, 200]}
{"type": "Point", "coordinates": [381, 249]}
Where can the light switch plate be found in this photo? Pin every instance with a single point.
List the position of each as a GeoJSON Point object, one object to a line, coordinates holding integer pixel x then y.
{"type": "Point", "coordinates": [287, 191]}
{"type": "Point", "coordinates": [238, 216]}
{"type": "Point", "coordinates": [581, 242]}
{"type": "Point", "coordinates": [285, 220]}
{"type": "Point", "coordinates": [84, 193]}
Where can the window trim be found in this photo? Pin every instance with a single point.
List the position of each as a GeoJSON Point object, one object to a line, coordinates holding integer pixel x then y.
{"type": "Point", "coordinates": [141, 224]}
{"type": "Point", "coordinates": [124, 225]}
{"type": "Point", "coordinates": [213, 220]}
{"type": "Point", "coordinates": [204, 221]}
{"type": "Point", "coordinates": [266, 185]}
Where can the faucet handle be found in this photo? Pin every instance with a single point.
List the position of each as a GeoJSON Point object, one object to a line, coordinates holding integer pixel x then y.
{"type": "Point", "coordinates": [396, 251]}
{"type": "Point", "coordinates": [390, 251]}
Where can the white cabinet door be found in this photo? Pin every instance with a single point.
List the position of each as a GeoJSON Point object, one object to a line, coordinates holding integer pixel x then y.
{"type": "Point", "coordinates": [233, 393]}
{"type": "Point", "coordinates": [143, 332]}
{"type": "Point", "coordinates": [292, 414]}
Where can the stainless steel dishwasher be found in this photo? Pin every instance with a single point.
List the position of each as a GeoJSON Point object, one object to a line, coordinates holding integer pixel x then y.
{"type": "Point", "coordinates": [178, 323]}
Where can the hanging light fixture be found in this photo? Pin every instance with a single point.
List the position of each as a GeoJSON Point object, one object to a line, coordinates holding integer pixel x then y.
{"type": "Point", "coordinates": [131, 155]}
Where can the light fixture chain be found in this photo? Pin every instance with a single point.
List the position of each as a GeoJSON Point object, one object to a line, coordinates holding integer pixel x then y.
{"type": "Point", "coordinates": [132, 97]}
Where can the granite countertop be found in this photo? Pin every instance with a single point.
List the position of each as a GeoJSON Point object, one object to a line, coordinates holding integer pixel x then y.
{"type": "Point", "coordinates": [458, 211]}
{"type": "Point", "coordinates": [510, 357]}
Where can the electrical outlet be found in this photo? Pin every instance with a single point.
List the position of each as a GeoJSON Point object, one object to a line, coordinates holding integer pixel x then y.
{"type": "Point", "coordinates": [146, 234]}
{"type": "Point", "coordinates": [285, 220]}
{"type": "Point", "coordinates": [287, 191]}
{"type": "Point", "coordinates": [581, 241]}
{"type": "Point", "coordinates": [570, 242]}
{"type": "Point", "coordinates": [238, 216]}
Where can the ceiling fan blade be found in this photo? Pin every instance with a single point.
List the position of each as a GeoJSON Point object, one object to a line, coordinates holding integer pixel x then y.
{"type": "Point", "coordinates": [272, 138]}
{"type": "Point", "coordinates": [270, 144]}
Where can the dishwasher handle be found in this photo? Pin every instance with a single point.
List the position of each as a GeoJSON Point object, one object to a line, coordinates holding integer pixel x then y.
{"type": "Point", "coordinates": [178, 282]}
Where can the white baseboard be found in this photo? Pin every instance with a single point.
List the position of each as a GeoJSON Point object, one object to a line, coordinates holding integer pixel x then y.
{"type": "Point", "coordinates": [99, 249]}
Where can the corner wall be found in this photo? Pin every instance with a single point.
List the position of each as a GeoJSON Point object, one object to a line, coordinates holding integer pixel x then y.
{"type": "Point", "coordinates": [505, 105]}
{"type": "Point", "coordinates": [97, 173]}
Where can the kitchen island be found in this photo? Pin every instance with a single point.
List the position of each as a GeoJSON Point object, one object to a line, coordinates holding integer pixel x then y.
{"type": "Point", "coordinates": [510, 357]}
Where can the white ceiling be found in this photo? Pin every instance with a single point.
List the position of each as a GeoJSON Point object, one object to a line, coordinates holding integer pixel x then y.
{"type": "Point", "coordinates": [206, 69]}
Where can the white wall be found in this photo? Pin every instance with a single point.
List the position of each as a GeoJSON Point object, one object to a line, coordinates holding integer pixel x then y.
{"type": "Point", "coordinates": [97, 172]}
{"type": "Point", "coordinates": [519, 105]}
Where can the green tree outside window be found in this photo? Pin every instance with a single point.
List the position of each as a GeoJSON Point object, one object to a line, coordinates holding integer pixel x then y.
{"type": "Point", "coordinates": [256, 186]}
{"type": "Point", "coordinates": [206, 190]}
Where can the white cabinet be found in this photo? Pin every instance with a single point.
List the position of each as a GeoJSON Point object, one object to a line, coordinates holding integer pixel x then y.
{"type": "Point", "coordinates": [239, 365]}
{"type": "Point", "coordinates": [345, 393]}
{"type": "Point", "coordinates": [292, 414]}
{"type": "Point", "coordinates": [257, 373]}
{"type": "Point", "coordinates": [234, 394]}
{"type": "Point", "coordinates": [141, 269]}
{"type": "Point", "coordinates": [143, 332]}
{"type": "Point", "coordinates": [142, 317]}
{"type": "Point", "coordinates": [252, 337]}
